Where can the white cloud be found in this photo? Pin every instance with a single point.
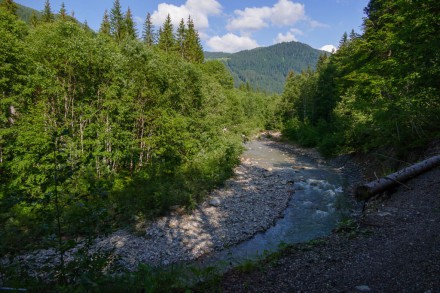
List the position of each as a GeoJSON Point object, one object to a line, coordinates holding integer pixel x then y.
{"type": "Point", "coordinates": [287, 13]}
{"type": "Point", "coordinates": [283, 13]}
{"type": "Point", "coordinates": [231, 43]}
{"type": "Point", "coordinates": [328, 48]}
{"type": "Point", "coordinates": [250, 19]}
{"type": "Point", "coordinates": [288, 37]}
{"type": "Point", "coordinates": [199, 10]}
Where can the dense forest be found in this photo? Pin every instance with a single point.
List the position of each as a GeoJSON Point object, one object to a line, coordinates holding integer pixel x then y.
{"type": "Point", "coordinates": [266, 68]}
{"type": "Point", "coordinates": [98, 129]}
{"type": "Point", "coordinates": [379, 90]}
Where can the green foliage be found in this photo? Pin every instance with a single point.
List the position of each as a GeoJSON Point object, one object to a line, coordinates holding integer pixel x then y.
{"type": "Point", "coordinates": [96, 129]}
{"type": "Point", "coordinates": [167, 39]}
{"type": "Point", "coordinates": [105, 24]}
{"type": "Point", "coordinates": [191, 43]}
{"type": "Point", "coordinates": [129, 26]}
{"type": "Point", "coordinates": [24, 13]}
{"type": "Point", "coordinates": [117, 23]}
{"type": "Point", "coordinates": [9, 6]}
{"type": "Point", "coordinates": [47, 14]}
{"type": "Point", "coordinates": [379, 89]}
{"type": "Point", "coordinates": [148, 33]}
{"type": "Point", "coordinates": [266, 68]}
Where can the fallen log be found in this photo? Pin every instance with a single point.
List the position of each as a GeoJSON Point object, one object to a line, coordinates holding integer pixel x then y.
{"type": "Point", "coordinates": [367, 190]}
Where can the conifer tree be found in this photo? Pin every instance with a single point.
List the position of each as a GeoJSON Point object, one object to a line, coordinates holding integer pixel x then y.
{"type": "Point", "coordinates": [117, 21]}
{"type": "Point", "coordinates": [129, 27]}
{"type": "Point", "coordinates": [344, 40]}
{"type": "Point", "coordinates": [353, 35]}
{"type": "Point", "coordinates": [10, 6]}
{"type": "Point", "coordinates": [47, 13]}
{"type": "Point", "coordinates": [180, 38]}
{"type": "Point", "coordinates": [34, 19]}
{"type": "Point", "coordinates": [166, 36]}
{"type": "Point", "coordinates": [193, 47]}
{"type": "Point", "coordinates": [63, 13]}
{"type": "Point", "coordinates": [105, 24]}
{"type": "Point", "coordinates": [148, 34]}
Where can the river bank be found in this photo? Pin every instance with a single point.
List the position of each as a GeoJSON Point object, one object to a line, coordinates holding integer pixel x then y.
{"type": "Point", "coordinates": [250, 202]}
{"type": "Point", "coordinates": [392, 247]}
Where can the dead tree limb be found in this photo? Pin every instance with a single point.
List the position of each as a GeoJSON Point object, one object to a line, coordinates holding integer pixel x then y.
{"type": "Point", "coordinates": [367, 190]}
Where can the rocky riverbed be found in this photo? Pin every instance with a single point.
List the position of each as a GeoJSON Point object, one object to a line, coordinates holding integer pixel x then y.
{"type": "Point", "coordinates": [269, 174]}
{"type": "Point", "coordinates": [250, 202]}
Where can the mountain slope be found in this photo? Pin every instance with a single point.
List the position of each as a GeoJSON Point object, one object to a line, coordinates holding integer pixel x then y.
{"type": "Point", "coordinates": [266, 68]}
{"type": "Point", "coordinates": [24, 12]}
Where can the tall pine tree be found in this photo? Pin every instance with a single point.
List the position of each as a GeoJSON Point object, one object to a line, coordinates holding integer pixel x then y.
{"type": "Point", "coordinates": [47, 13]}
{"type": "Point", "coordinates": [129, 27]}
{"type": "Point", "coordinates": [148, 33]}
{"type": "Point", "coordinates": [193, 47]}
{"type": "Point", "coordinates": [63, 13]}
{"type": "Point", "coordinates": [166, 36]}
{"type": "Point", "coordinates": [180, 38]}
{"type": "Point", "coordinates": [105, 24]}
{"type": "Point", "coordinates": [117, 22]}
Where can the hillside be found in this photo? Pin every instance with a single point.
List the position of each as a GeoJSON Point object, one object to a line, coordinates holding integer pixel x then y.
{"type": "Point", "coordinates": [25, 13]}
{"type": "Point", "coordinates": [266, 68]}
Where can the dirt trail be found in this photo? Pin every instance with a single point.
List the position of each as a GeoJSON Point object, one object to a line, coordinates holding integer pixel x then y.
{"type": "Point", "coordinates": [395, 248]}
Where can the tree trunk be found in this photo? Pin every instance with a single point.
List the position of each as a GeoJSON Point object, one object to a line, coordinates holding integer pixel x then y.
{"type": "Point", "coordinates": [367, 190]}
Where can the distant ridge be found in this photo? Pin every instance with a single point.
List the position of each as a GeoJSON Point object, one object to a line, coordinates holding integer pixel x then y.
{"type": "Point", "coordinates": [266, 68]}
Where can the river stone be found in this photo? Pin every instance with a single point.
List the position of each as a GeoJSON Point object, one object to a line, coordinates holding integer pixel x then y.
{"type": "Point", "coordinates": [215, 202]}
{"type": "Point", "coordinates": [363, 288]}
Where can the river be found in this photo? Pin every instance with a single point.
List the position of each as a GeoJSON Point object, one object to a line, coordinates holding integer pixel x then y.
{"type": "Point", "coordinates": [310, 213]}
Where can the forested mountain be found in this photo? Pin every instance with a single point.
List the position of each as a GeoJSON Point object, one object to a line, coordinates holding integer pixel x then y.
{"type": "Point", "coordinates": [380, 89]}
{"type": "Point", "coordinates": [217, 55]}
{"type": "Point", "coordinates": [266, 68]}
{"type": "Point", "coordinates": [24, 12]}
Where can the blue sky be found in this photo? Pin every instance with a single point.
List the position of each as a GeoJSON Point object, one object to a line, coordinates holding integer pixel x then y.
{"type": "Point", "coordinates": [235, 25]}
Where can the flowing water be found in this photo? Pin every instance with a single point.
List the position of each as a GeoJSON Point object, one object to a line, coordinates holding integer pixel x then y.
{"type": "Point", "coordinates": [311, 211]}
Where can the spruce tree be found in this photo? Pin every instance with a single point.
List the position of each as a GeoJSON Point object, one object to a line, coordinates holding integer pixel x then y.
{"type": "Point", "coordinates": [117, 21]}
{"type": "Point", "coordinates": [47, 13]}
{"type": "Point", "coordinates": [148, 34]}
{"type": "Point", "coordinates": [180, 38]}
{"type": "Point", "coordinates": [105, 24]}
{"type": "Point", "coordinates": [166, 36]}
{"type": "Point", "coordinates": [130, 29]}
{"type": "Point", "coordinates": [10, 6]}
{"type": "Point", "coordinates": [344, 40]}
{"type": "Point", "coordinates": [193, 47]}
{"type": "Point", "coordinates": [63, 13]}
